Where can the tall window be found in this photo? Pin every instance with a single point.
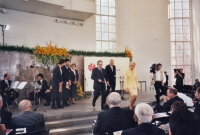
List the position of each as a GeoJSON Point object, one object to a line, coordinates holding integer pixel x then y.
{"type": "Point", "coordinates": [105, 25]}
{"type": "Point", "coordinates": [179, 15]}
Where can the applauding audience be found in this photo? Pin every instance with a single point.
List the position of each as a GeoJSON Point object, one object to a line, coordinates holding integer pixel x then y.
{"type": "Point", "coordinates": [143, 116]}
{"type": "Point", "coordinates": [115, 119]}
{"type": "Point", "coordinates": [168, 101]}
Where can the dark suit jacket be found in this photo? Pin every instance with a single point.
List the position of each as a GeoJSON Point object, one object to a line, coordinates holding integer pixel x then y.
{"type": "Point", "coordinates": [113, 120]}
{"type": "Point", "coordinates": [66, 76]}
{"type": "Point", "coordinates": [96, 75]}
{"type": "Point", "coordinates": [57, 77]}
{"type": "Point", "coordinates": [73, 76]}
{"type": "Point", "coordinates": [6, 118]}
{"type": "Point", "coordinates": [167, 105]}
{"type": "Point", "coordinates": [167, 78]}
{"type": "Point", "coordinates": [27, 118]}
{"type": "Point", "coordinates": [44, 86]}
{"type": "Point", "coordinates": [196, 85]}
{"type": "Point", "coordinates": [3, 85]}
{"type": "Point", "coordinates": [111, 74]}
{"type": "Point", "coordinates": [144, 129]}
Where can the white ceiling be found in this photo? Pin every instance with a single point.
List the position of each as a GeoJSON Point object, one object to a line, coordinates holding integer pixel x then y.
{"type": "Point", "coordinates": [42, 8]}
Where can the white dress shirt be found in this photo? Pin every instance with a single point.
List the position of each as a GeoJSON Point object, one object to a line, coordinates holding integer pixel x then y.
{"type": "Point", "coordinates": [158, 76]}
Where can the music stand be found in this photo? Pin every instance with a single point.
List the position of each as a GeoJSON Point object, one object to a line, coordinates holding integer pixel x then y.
{"type": "Point", "coordinates": [21, 86]}
{"type": "Point", "coordinates": [14, 87]}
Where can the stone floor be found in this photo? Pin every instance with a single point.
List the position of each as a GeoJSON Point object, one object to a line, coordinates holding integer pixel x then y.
{"type": "Point", "coordinates": [84, 105]}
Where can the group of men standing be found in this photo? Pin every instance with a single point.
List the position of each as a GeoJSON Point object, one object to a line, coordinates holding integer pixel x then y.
{"type": "Point", "coordinates": [60, 84]}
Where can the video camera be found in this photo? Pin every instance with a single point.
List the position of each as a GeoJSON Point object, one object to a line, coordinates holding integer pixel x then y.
{"type": "Point", "coordinates": [153, 68]}
{"type": "Point", "coordinates": [175, 70]}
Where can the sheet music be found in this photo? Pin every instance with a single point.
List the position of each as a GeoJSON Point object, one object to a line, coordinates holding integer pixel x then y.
{"type": "Point", "coordinates": [14, 85]}
{"type": "Point", "coordinates": [21, 85]}
{"type": "Point", "coordinates": [160, 115]}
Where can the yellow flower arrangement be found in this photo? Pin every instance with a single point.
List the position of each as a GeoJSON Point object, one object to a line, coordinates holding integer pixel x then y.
{"type": "Point", "coordinates": [128, 52]}
{"type": "Point", "coordinates": [79, 90]}
{"type": "Point", "coordinates": [49, 55]}
{"type": "Point", "coordinates": [51, 50]}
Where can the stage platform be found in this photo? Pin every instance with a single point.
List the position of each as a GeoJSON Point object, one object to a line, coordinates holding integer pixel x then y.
{"type": "Point", "coordinates": [78, 118]}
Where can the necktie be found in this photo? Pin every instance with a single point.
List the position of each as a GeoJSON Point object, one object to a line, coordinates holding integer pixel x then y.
{"type": "Point", "coordinates": [7, 83]}
{"type": "Point", "coordinates": [100, 70]}
{"type": "Point", "coordinates": [111, 68]}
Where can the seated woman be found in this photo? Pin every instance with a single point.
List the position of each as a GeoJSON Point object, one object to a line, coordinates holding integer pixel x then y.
{"type": "Point", "coordinates": [183, 122]}
{"type": "Point", "coordinates": [74, 80]}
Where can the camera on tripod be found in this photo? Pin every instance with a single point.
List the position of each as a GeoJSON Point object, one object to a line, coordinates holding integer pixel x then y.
{"type": "Point", "coordinates": [176, 70]}
{"type": "Point", "coordinates": [153, 68]}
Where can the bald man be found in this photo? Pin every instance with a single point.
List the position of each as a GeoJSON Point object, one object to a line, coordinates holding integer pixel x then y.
{"type": "Point", "coordinates": [27, 117]}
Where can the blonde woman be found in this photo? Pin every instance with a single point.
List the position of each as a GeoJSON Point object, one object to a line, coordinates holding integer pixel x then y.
{"type": "Point", "coordinates": [131, 83]}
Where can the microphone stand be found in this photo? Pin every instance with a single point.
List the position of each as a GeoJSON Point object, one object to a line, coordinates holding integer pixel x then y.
{"type": "Point", "coordinates": [35, 108]}
{"type": "Point", "coordinates": [122, 85]}
{"type": "Point", "coordinates": [86, 84]}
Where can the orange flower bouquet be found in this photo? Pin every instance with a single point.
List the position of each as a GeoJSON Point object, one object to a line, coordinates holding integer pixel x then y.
{"type": "Point", "coordinates": [128, 53]}
{"type": "Point", "coordinates": [79, 91]}
{"type": "Point", "coordinates": [50, 55]}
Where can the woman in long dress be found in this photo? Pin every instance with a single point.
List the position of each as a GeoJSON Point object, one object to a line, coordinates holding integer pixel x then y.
{"type": "Point", "coordinates": [131, 83]}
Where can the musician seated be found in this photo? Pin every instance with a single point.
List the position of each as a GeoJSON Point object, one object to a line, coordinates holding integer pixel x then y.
{"type": "Point", "coordinates": [43, 91]}
{"type": "Point", "coordinates": [8, 94]}
{"type": "Point", "coordinates": [27, 118]}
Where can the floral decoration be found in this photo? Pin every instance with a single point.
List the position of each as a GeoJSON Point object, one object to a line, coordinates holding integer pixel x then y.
{"type": "Point", "coordinates": [49, 55]}
{"type": "Point", "coordinates": [91, 66]}
{"type": "Point", "coordinates": [79, 90]}
{"type": "Point", "coordinates": [128, 53]}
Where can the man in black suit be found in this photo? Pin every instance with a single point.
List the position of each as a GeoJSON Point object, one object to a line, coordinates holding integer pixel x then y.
{"type": "Point", "coordinates": [143, 116]}
{"type": "Point", "coordinates": [57, 85]}
{"type": "Point", "coordinates": [111, 73]}
{"type": "Point", "coordinates": [66, 82]}
{"type": "Point", "coordinates": [115, 119]}
{"type": "Point", "coordinates": [5, 116]}
{"type": "Point", "coordinates": [28, 117]}
{"type": "Point", "coordinates": [167, 78]}
{"type": "Point", "coordinates": [168, 101]}
{"type": "Point", "coordinates": [196, 85]}
{"type": "Point", "coordinates": [99, 76]}
{"type": "Point", "coordinates": [43, 91]}
{"type": "Point", "coordinates": [9, 95]}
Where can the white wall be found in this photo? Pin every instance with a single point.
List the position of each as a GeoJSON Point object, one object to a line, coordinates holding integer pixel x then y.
{"type": "Point", "coordinates": [31, 29]}
{"type": "Point", "coordinates": [196, 38]}
{"type": "Point", "coordinates": [143, 26]}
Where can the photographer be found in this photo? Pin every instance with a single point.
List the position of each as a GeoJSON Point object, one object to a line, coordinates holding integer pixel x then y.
{"type": "Point", "coordinates": [159, 80]}
{"type": "Point", "coordinates": [179, 75]}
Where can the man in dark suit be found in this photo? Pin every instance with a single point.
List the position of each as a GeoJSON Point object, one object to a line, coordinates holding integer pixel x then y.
{"type": "Point", "coordinates": [111, 73]}
{"type": "Point", "coordinates": [115, 119]}
{"type": "Point", "coordinates": [143, 116]}
{"type": "Point", "coordinates": [66, 82]}
{"type": "Point", "coordinates": [168, 101]}
{"type": "Point", "coordinates": [99, 76]}
{"type": "Point", "coordinates": [9, 95]}
{"type": "Point", "coordinates": [5, 116]}
{"type": "Point", "coordinates": [167, 78]}
{"type": "Point", "coordinates": [41, 92]}
{"type": "Point", "coordinates": [28, 117]}
{"type": "Point", "coordinates": [57, 85]}
{"type": "Point", "coordinates": [196, 85]}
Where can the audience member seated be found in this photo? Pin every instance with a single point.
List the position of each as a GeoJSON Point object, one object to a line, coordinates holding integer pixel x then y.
{"type": "Point", "coordinates": [197, 105]}
{"type": "Point", "coordinates": [115, 119]}
{"type": "Point", "coordinates": [43, 92]}
{"type": "Point", "coordinates": [196, 85]}
{"type": "Point", "coordinates": [8, 95]}
{"type": "Point", "coordinates": [168, 101]}
{"type": "Point", "coordinates": [176, 106]}
{"type": "Point", "coordinates": [27, 118]}
{"type": "Point", "coordinates": [143, 116]}
{"type": "Point", "coordinates": [183, 122]}
{"type": "Point", "coordinates": [5, 116]}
